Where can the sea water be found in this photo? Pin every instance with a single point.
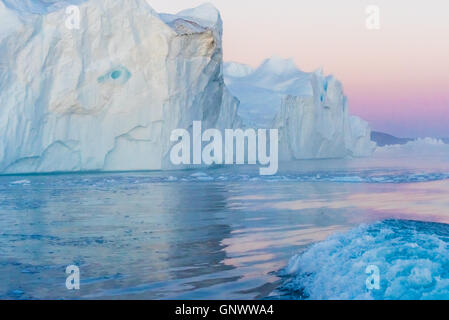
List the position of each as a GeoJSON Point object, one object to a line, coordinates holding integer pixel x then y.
{"type": "Point", "coordinates": [227, 233]}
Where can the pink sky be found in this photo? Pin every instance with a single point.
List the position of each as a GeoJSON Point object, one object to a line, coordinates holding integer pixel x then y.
{"type": "Point", "coordinates": [397, 77]}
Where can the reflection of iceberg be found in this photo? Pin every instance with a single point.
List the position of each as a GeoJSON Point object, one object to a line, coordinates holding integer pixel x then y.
{"type": "Point", "coordinates": [412, 258]}
{"type": "Point", "coordinates": [130, 238]}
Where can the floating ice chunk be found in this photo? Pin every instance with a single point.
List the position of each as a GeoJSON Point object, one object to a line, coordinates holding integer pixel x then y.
{"type": "Point", "coordinates": [23, 182]}
{"type": "Point", "coordinates": [198, 174]}
{"type": "Point", "coordinates": [201, 176]}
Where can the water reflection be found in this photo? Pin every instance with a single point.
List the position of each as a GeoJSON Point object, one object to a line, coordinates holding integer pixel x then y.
{"type": "Point", "coordinates": [122, 236]}
{"type": "Point", "coordinates": [145, 240]}
{"type": "Point", "coordinates": [421, 201]}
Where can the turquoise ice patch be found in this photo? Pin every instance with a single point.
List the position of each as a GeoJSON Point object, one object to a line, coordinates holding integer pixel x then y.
{"type": "Point", "coordinates": [118, 75]}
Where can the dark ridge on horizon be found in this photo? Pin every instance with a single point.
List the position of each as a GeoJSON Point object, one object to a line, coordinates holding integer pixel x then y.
{"type": "Point", "coordinates": [384, 139]}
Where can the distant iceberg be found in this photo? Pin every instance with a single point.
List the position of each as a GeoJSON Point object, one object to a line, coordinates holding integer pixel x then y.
{"type": "Point", "coordinates": [421, 147]}
{"type": "Point", "coordinates": [237, 70]}
{"type": "Point", "coordinates": [309, 109]}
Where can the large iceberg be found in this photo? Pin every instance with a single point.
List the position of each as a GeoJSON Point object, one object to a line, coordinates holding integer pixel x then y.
{"type": "Point", "coordinates": [309, 109]}
{"type": "Point", "coordinates": [105, 96]}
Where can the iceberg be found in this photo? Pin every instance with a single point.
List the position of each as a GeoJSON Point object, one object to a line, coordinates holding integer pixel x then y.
{"type": "Point", "coordinates": [107, 96]}
{"type": "Point", "coordinates": [236, 70]}
{"type": "Point", "coordinates": [309, 109]}
{"type": "Point", "coordinates": [420, 148]}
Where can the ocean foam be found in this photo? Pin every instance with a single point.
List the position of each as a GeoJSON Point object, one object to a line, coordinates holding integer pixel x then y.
{"type": "Point", "coordinates": [413, 259]}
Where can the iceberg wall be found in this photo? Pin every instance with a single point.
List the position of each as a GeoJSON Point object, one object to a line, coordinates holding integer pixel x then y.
{"type": "Point", "coordinates": [309, 109]}
{"type": "Point", "coordinates": [106, 96]}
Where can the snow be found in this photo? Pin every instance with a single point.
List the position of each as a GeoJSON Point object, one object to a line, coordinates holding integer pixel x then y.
{"type": "Point", "coordinates": [106, 97]}
{"type": "Point", "coordinates": [412, 258]}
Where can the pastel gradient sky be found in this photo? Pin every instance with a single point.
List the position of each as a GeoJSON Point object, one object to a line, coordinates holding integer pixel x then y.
{"type": "Point", "coordinates": [397, 77]}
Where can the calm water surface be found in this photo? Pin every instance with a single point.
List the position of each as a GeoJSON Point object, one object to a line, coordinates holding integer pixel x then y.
{"type": "Point", "coordinates": [209, 234]}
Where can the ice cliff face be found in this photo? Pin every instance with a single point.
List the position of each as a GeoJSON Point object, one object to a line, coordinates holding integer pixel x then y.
{"type": "Point", "coordinates": [309, 109]}
{"type": "Point", "coordinates": [108, 95]}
